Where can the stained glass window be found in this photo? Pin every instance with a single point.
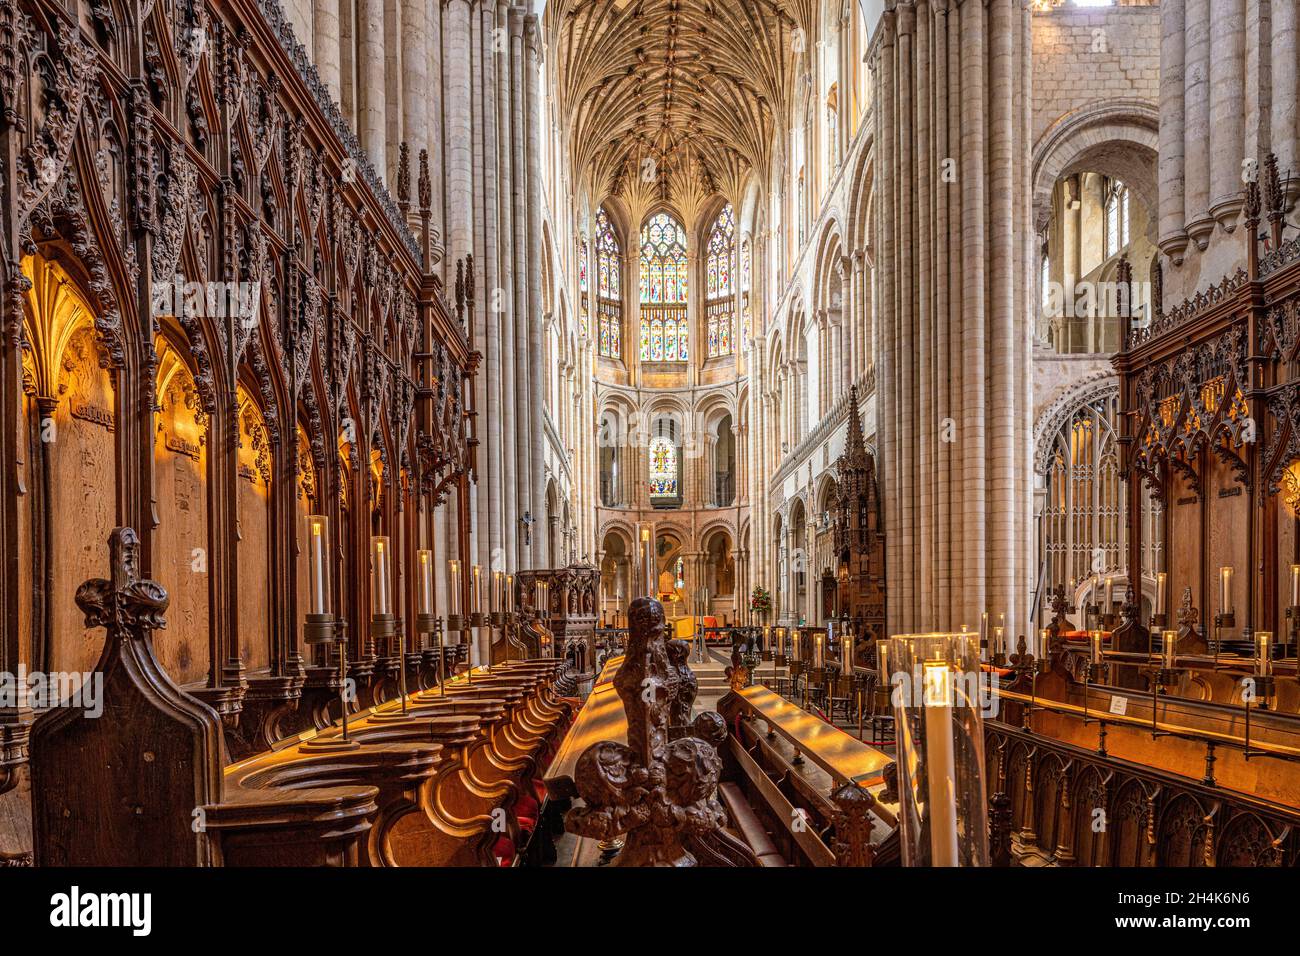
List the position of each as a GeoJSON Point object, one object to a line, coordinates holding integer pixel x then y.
{"type": "Point", "coordinates": [663, 467]}
{"type": "Point", "coordinates": [609, 297]}
{"type": "Point", "coordinates": [663, 288]}
{"type": "Point", "coordinates": [720, 304]}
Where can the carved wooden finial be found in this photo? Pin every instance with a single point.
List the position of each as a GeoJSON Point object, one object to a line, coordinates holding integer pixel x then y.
{"type": "Point", "coordinates": [460, 291]}
{"type": "Point", "coordinates": [660, 792]}
{"type": "Point", "coordinates": [124, 600]}
{"type": "Point", "coordinates": [425, 184]}
{"type": "Point", "coordinates": [1188, 616]}
{"type": "Point", "coordinates": [1274, 197]}
{"type": "Point", "coordinates": [853, 824]}
{"type": "Point", "coordinates": [403, 177]}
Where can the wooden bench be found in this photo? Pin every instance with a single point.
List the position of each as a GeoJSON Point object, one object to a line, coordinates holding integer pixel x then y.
{"type": "Point", "coordinates": [819, 794]}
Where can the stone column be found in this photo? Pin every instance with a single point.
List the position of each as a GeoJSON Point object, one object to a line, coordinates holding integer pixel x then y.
{"type": "Point", "coordinates": [1173, 237]}
{"type": "Point", "coordinates": [1196, 97]}
{"type": "Point", "coordinates": [1227, 109]}
{"type": "Point", "coordinates": [325, 45]}
{"type": "Point", "coordinates": [371, 113]}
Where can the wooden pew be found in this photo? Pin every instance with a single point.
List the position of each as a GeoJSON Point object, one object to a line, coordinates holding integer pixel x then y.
{"type": "Point", "coordinates": [820, 793]}
{"type": "Point", "coordinates": [455, 773]}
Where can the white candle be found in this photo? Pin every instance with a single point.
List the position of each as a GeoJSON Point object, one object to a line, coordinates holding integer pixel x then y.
{"type": "Point", "coordinates": [1096, 647]}
{"type": "Point", "coordinates": [1168, 643]}
{"type": "Point", "coordinates": [1043, 642]}
{"type": "Point", "coordinates": [767, 637]}
{"type": "Point", "coordinates": [1295, 585]}
{"type": "Point", "coordinates": [997, 640]}
{"type": "Point", "coordinates": [454, 595]}
{"type": "Point", "coordinates": [510, 594]}
{"type": "Point", "coordinates": [1110, 594]}
{"type": "Point", "coordinates": [424, 565]}
{"type": "Point", "coordinates": [940, 767]}
{"type": "Point", "coordinates": [1162, 579]}
{"type": "Point", "coordinates": [1225, 590]}
{"type": "Point", "coordinates": [476, 589]}
{"type": "Point", "coordinates": [647, 562]}
{"type": "Point", "coordinates": [818, 651]}
{"type": "Point", "coordinates": [379, 593]}
{"type": "Point", "coordinates": [1263, 653]}
{"type": "Point", "coordinates": [317, 569]}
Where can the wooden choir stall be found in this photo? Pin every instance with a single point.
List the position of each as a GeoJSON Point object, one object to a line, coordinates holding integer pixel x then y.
{"type": "Point", "coordinates": [1180, 724]}
{"type": "Point", "coordinates": [239, 402]}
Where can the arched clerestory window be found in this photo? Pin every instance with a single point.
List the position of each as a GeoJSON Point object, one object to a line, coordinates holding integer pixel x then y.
{"type": "Point", "coordinates": [720, 285]}
{"type": "Point", "coordinates": [665, 336]}
{"type": "Point", "coordinates": [609, 287]}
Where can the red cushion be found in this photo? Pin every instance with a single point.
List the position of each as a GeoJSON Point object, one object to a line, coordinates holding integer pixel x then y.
{"type": "Point", "coordinates": [504, 850]}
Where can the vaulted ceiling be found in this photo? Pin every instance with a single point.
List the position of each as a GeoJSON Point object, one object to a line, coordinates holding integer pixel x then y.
{"type": "Point", "coordinates": [673, 100]}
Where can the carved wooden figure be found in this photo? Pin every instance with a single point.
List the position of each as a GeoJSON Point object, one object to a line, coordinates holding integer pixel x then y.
{"type": "Point", "coordinates": [658, 792]}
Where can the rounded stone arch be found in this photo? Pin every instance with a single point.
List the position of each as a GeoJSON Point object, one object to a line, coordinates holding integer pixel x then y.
{"type": "Point", "coordinates": [548, 271]}
{"type": "Point", "coordinates": [1118, 138]}
{"type": "Point", "coordinates": [667, 406]}
{"type": "Point", "coordinates": [621, 528]}
{"type": "Point", "coordinates": [1099, 385]}
{"type": "Point", "coordinates": [712, 527]}
{"type": "Point", "coordinates": [713, 407]}
{"type": "Point", "coordinates": [827, 284]}
{"type": "Point", "coordinates": [825, 487]}
{"type": "Point", "coordinates": [858, 220]}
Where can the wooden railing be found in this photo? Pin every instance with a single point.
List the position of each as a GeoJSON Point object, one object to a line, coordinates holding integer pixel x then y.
{"type": "Point", "coordinates": [1076, 807]}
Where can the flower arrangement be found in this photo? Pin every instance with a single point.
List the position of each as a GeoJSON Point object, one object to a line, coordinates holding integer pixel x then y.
{"type": "Point", "coordinates": [760, 601]}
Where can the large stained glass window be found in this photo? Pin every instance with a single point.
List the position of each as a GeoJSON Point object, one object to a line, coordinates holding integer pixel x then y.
{"type": "Point", "coordinates": [664, 284]}
{"type": "Point", "coordinates": [720, 293]}
{"type": "Point", "coordinates": [609, 287]}
{"type": "Point", "coordinates": [663, 467]}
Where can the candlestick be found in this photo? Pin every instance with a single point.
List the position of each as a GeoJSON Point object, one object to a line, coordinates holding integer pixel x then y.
{"type": "Point", "coordinates": [1263, 653]}
{"type": "Point", "coordinates": [424, 581]}
{"type": "Point", "coordinates": [647, 561]}
{"type": "Point", "coordinates": [940, 767]}
{"type": "Point", "coordinates": [1168, 649]}
{"type": "Point", "coordinates": [380, 556]}
{"type": "Point", "coordinates": [454, 595]}
{"type": "Point", "coordinates": [476, 590]}
{"type": "Point", "coordinates": [498, 591]}
{"type": "Point", "coordinates": [319, 625]}
{"type": "Point", "coordinates": [317, 567]}
{"type": "Point", "coordinates": [937, 709]}
{"type": "Point", "coordinates": [1225, 590]}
